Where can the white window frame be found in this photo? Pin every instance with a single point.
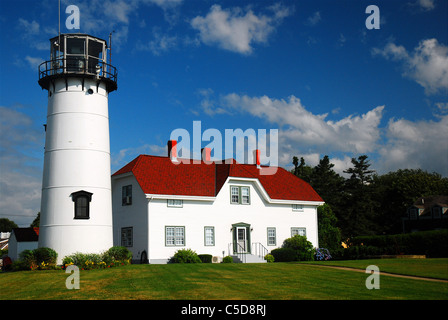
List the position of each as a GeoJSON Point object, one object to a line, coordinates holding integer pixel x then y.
{"type": "Point", "coordinates": [241, 194]}
{"type": "Point", "coordinates": [245, 198]}
{"type": "Point", "coordinates": [298, 230]}
{"type": "Point", "coordinates": [234, 192]}
{"type": "Point", "coordinates": [209, 236]}
{"type": "Point", "coordinates": [174, 236]}
{"type": "Point", "coordinates": [297, 207]}
{"type": "Point", "coordinates": [272, 236]}
{"type": "Point", "coordinates": [174, 203]}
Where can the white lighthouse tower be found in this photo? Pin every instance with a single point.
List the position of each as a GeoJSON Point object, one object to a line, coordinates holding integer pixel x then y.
{"type": "Point", "coordinates": [76, 207]}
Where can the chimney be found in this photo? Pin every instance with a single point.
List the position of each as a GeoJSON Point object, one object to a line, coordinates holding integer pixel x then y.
{"type": "Point", "coordinates": [206, 155]}
{"type": "Point", "coordinates": [257, 158]}
{"type": "Point", "coordinates": [172, 150]}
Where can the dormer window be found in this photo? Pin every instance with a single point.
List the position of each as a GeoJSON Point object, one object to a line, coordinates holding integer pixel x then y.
{"type": "Point", "coordinates": [82, 204]}
{"type": "Point", "coordinates": [239, 195]}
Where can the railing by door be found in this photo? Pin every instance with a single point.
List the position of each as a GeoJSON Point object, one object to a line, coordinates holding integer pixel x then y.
{"type": "Point", "coordinates": [240, 251]}
{"type": "Point", "coordinates": [259, 250]}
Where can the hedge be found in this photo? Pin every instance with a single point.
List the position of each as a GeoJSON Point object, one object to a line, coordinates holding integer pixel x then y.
{"type": "Point", "coordinates": [433, 244]}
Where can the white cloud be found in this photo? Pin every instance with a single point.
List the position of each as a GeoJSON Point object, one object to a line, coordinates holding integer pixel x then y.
{"type": "Point", "coordinates": [161, 43]}
{"type": "Point", "coordinates": [427, 64]}
{"type": "Point", "coordinates": [426, 5]}
{"type": "Point", "coordinates": [237, 29]}
{"type": "Point", "coordinates": [353, 133]}
{"type": "Point", "coordinates": [21, 151]}
{"type": "Point", "coordinates": [34, 62]}
{"type": "Point", "coordinates": [314, 19]}
{"type": "Point", "coordinates": [401, 144]}
{"type": "Point", "coordinates": [420, 144]}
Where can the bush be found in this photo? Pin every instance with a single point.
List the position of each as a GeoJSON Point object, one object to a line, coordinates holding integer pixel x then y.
{"type": "Point", "coordinates": [322, 254]}
{"type": "Point", "coordinates": [185, 256]}
{"type": "Point", "coordinates": [303, 248]}
{"type": "Point", "coordinates": [227, 259]}
{"type": "Point", "coordinates": [45, 255]}
{"type": "Point", "coordinates": [119, 253]}
{"type": "Point", "coordinates": [269, 258]}
{"type": "Point", "coordinates": [284, 255]}
{"type": "Point", "coordinates": [433, 244]}
{"type": "Point", "coordinates": [37, 259]}
{"type": "Point", "coordinates": [205, 258]}
{"type": "Point", "coordinates": [113, 257]}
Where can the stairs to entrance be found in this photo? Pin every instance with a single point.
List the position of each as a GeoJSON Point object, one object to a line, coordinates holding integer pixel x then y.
{"type": "Point", "coordinates": [249, 258]}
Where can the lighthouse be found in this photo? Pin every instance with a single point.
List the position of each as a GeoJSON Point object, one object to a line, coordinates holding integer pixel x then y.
{"type": "Point", "coordinates": [76, 205]}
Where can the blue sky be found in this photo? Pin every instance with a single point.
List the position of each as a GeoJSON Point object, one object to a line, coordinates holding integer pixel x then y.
{"type": "Point", "coordinates": [310, 69]}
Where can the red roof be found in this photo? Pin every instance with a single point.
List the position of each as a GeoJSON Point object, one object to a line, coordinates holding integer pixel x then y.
{"type": "Point", "coordinates": [158, 175]}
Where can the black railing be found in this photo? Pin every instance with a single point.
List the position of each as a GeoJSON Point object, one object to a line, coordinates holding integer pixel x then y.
{"type": "Point", "coordinates": [78, 65]}
{"type": "Point", "coordinates": [234, 248]}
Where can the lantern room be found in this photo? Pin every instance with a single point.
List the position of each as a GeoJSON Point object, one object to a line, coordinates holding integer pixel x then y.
{"type": "Point", "coordinates": [78, 55]}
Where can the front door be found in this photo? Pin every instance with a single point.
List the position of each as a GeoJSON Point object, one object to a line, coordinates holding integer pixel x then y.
{"type": "Point", "coordinates": [241, 239]}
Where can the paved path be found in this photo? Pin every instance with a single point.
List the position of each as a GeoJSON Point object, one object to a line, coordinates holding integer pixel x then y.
{"type": "Point", "coordinates": [381, 273]}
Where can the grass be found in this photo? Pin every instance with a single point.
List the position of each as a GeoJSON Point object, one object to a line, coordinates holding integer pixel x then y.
{"type": "Point", "coordinates": [431, 268]}
{"type": "Point", "coordinates": [279, 281]}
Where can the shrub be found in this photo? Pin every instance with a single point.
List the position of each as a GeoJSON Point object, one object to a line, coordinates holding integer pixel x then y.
{"type": "Point", "coordinates": [37, 259]}
{"type": "Point", "coordinates": [304, 249]}
{"type": "Point", "coordinates": [269, 258]}
{"type": "Point", "coordinates": [205, 258]}
{"type": "Point", "coordinates": [227, 259]}
{"type": "Point", "coordinates": [433, 244]}
{"type": "Point", "coordinates": [45, 255]}
{"type": "Point", "coordinates": [119, 253]}
{"type": "Point", "coordinates": [185, 256]}
{"type": "Point", "coordinates": [113, 257]}
{"type": "Point", "coordinates": [27, 260]}
{"type": "Point", "coordinates": [322, 254]}
{"type": "Point", "coordinates": [284, 254]}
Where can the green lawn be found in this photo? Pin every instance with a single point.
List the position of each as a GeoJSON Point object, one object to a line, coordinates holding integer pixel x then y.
{"type": "Point", "coordinates": [219, 281]}
{"type": "Point", "coordinates": [431, 268]}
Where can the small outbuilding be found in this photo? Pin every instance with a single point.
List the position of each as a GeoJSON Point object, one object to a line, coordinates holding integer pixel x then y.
{"type": "Point", "coordinates": [22, 239]}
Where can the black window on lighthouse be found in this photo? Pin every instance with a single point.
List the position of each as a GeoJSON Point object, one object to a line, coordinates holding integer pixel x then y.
{"type": "Point", "coordinates": [82, 204]}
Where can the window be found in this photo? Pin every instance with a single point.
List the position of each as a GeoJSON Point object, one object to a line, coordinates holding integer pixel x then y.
{"type": "Point", "coordinates": [209, 236]}
{"type": "Point", "coordinates": [174, 203]}
{"type": "Point", "coordinates": [234, 195]}
{"type": "Point", "coordinates": [82, 204]}
{"type": "Point", "coordinates": [245, 198]}
{"type": "Point", "coordinates": [436, 212]}
{"type": "Point", "coordinates": [413, 214]}
{"type": "Point", "coordinates": [174, 236]}
{"type": "Point", "coordinates": [239, 195]}
{"type": "Point", "coordinates": [126, 237]}
{"type": "Point", "coordinates": [126, 195]}
{"type": "Point", "coordinates": [299, 231]}
{"type": "Point", "coordinates": [272, 239]}
{"type": "Point", "coordinates": [297, 207]}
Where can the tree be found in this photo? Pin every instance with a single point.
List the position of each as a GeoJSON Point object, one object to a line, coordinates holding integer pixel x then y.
{"type": "Point", "coordinates": [329, 233]}
{"type": "Point", "coordinates": [396, 191]}
{"type": "Point", "coordinates": [6, 225]}
{"type": "Point", "coordinates": [359, 205]}
{"type": "Point", "coordinates": [301, 170]}
{"type": "Point", "coordinates": [327, 183]}
{"type": "Point", "coordinates": [36, 221]}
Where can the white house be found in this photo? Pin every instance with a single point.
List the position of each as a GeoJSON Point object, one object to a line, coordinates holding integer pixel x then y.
{"type": "Point", "coordinates": [160, 206]}
{"type": "Point", "coordinates": [22, 239]}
